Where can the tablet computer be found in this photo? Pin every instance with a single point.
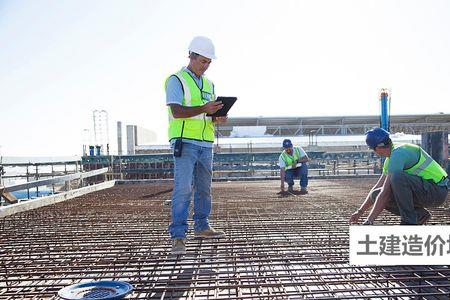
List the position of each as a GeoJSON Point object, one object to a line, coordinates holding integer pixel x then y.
{"type": "Point", "coordinates": [227, 104]}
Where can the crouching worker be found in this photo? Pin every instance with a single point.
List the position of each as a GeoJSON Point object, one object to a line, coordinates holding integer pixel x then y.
{"type": "Point", "coordinates": [293, 165]}
{"type": "Point", "coordinates": [410, 182]}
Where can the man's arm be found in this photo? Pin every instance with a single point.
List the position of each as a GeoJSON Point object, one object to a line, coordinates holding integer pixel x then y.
{"type": "Point", "coordinates": [367, 202]}
{"type": "Point", "coordinates": [303, 159]}
{"type": "Point", "coordinates": [303, 156]}
{"type": "Point", "coordinates": [282, 174]}
{"type": "Point", "coordinates": [179, 111]}
{"type": "Point", "coordinates": [382, 200]}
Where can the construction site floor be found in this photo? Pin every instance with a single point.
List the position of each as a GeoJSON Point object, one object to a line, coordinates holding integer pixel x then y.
{"type": "Point", "coordinates": [292, 247]}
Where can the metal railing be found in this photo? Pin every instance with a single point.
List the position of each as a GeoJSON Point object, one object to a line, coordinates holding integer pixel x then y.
{"type": "Point", "coordinates": [6, 191]}
{"type": "Point", "coordinates": [152, 166]}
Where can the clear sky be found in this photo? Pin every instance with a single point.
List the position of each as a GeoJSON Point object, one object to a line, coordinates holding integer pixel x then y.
{"type": "Point", "coordinates": [60, 60]}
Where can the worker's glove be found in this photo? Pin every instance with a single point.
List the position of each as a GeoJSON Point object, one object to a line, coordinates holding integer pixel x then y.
{"type": "Point", "coordinates": [367, 222]}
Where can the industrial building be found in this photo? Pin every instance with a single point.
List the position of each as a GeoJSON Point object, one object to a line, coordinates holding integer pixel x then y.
{"type": "Point", "coordinates": [337, 125]}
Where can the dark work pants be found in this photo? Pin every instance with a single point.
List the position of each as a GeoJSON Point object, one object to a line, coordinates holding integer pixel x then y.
{"type": "Point", "coordinates": [410, 195]}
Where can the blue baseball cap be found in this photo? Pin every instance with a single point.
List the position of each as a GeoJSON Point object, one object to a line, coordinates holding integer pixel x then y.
{"type": "Point", "coordinates": [287, 143]}
{"type": "Point", "coordinates": [377, 137]}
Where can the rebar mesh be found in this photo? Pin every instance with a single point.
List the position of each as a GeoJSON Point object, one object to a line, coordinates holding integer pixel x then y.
{"type": "Point", "coordinates": [276, 247]}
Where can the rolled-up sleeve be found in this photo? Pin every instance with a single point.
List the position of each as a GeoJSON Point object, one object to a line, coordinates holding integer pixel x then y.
{"type": "Point", "coordinates": [174, 91]}
{"type": "Point", "coordinates": [281, 162]}
{"type": "Point", "coordinates": [302, 152]}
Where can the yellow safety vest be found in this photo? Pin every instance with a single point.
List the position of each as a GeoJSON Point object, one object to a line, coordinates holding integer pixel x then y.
{"type": "Point", "coordinates": [288, 159]}
{"type": "Point", "coordinates": [426, 167]}
{"type": "Point", "coordinates": [200, 127]}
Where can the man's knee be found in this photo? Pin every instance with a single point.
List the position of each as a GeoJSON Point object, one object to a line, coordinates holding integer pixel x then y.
{"type": "Point", "coordinates": [183, 190]}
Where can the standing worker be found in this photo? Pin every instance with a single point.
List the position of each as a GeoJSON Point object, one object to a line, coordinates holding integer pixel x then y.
{"type": "Point", "coordinates": [411, 180]}
{"type": "Point", "coordinates": [190, 97]}
{"type": "Point", "coordinates": [292, 162]}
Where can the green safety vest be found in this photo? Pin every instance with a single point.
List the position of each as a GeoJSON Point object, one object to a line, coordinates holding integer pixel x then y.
{"type": "Point", "coordinates": [199, 127]}
{"type": "Point", "coordinates": [426, 167]}
{"type": "Point", "coordinates": [288, 159]}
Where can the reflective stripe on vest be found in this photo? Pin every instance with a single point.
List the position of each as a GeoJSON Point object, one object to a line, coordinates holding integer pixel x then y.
{"type": "Point", "coordinates": [288, 159]}
{"type": "Point", "coordinates": [199, 127]}
{"type": "Point", "coordinates": [426, 167]}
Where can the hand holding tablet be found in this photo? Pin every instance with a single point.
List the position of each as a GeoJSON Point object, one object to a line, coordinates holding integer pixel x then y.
{"type": "Point", "coordinates": [227, 103]}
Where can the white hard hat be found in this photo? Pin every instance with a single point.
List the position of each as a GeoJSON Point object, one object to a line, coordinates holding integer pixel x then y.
{"type": "Point", "coordinates": [203, 46]}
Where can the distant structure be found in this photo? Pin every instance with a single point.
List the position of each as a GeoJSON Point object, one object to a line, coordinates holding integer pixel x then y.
{"type": "Point", "coordinates": [336, 125]}
{"type": "Point", "coordinates": [87, 142]}
{"type": "Point", "coordinates": [119, 138]}
{"type": "Point", "coordinates": [324, 133]}
{"type": "Point", "coordinates": [2, 172]}
{"type": "Point", "coordinates": [138, 136]}
{"type": "Point", "coordinates": [385, 102]}
{"type": "Point", "coordinates": [101, 132]}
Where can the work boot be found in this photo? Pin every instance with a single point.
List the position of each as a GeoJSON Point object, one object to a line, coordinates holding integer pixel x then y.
{"type": "Point", "coordinates": [179, 247]}
{"type": "Point", "coordinates": [291, 189]}
{"type": "Point", "coordinates": [209, 233]}
{"type": "Point", "coordinates": [425, 218]}
{"type": "Point", "coordinates": [303, 191]}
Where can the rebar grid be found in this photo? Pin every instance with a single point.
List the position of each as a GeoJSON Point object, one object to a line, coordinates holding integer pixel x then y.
{"type": "Point", "coordinates": [276, 247]}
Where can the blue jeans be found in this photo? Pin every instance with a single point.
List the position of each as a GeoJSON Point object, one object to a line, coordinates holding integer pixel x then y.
{"type": "Point", "coordinates": [300, 172]}
{"type": "Point", "coordinates": [192, 172]}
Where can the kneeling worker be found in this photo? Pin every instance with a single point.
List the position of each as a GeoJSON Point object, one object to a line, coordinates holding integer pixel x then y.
{"type": "Point", "coordinates": [411, 180]}
{"type": "Point", "coordinates": [292, 164]}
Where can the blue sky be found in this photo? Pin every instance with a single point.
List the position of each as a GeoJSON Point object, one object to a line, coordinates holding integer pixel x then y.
{"type": "Point", "coordinates": [60, 60]}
